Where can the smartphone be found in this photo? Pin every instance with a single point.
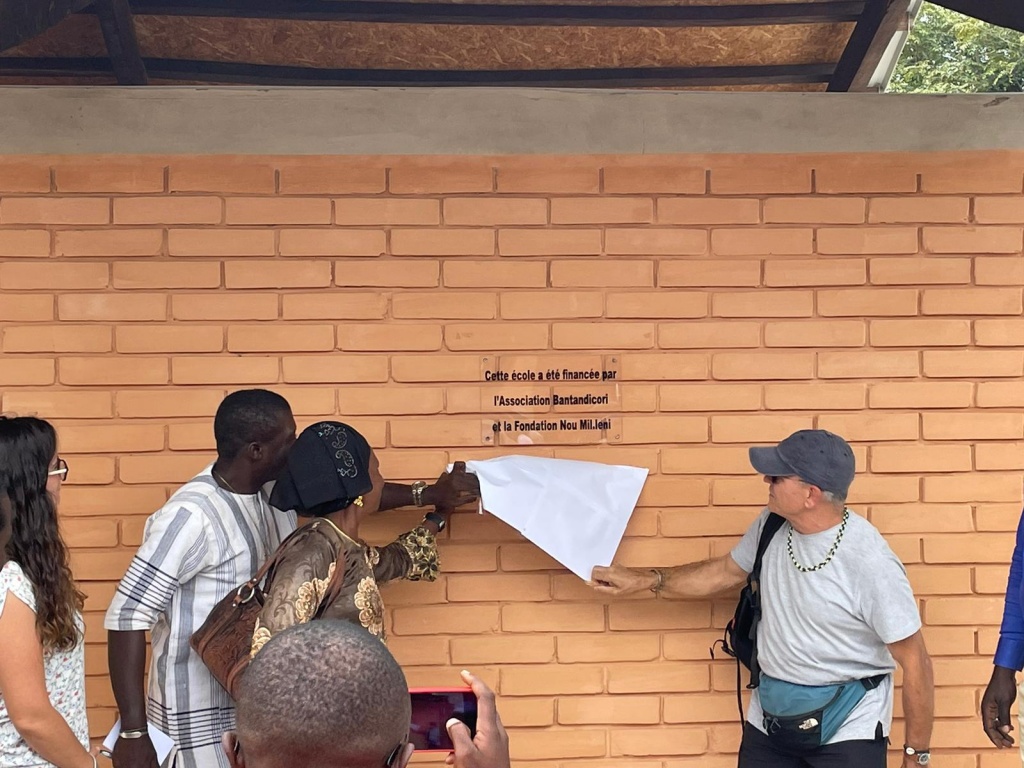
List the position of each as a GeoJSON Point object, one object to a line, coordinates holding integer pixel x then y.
{"type": "Point", "coordinates": [431, 709]}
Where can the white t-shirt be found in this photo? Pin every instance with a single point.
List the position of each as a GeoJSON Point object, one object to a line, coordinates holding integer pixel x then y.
{"type": "Point", "coordinates": [65, 680]}
{"type": "Point", "coordinates": [831, 625]}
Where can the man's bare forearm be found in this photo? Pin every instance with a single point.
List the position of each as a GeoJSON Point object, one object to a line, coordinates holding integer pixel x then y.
{"type": "Point", "coordinates": [919, 702]}
{"type": "Point", "coordinates": [702, 579]}
{"type": "Point", "coordinates": [126, 654]}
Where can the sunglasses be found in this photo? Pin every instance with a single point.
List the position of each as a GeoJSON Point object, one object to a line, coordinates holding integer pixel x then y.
{"type": "Point", "coordinates": [62, 470]}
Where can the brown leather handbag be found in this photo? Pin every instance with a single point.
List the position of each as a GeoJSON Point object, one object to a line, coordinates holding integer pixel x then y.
{"type": "Point", "coordinates": [224, 641]}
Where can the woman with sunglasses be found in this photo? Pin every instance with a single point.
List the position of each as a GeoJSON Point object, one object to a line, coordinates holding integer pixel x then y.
{"type": "Point", "coordinates": [42, 662]}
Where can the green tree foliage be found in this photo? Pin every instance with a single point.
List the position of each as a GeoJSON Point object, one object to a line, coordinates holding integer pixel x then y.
{"type": "Point", "coordinates": [951, 53]}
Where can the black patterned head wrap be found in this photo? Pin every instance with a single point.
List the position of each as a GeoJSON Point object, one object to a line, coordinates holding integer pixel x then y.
{"type": "Point", "coordinates": [328, 468]}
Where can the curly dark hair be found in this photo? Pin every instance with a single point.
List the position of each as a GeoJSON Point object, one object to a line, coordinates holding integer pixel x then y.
{"type": "Point", "coordinates": [27, 446]}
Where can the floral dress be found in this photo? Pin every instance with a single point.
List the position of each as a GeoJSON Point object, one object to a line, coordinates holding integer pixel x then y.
{"type": "Point", "coordinates": [65, 680]}
{"type": "Point", "coordinates": [301, 578]}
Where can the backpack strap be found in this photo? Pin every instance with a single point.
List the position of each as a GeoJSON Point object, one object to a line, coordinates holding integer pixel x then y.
{"type": "Point", "coordinates": [771, 526]}
{"type": "Point", "coordinates": [870, 683]}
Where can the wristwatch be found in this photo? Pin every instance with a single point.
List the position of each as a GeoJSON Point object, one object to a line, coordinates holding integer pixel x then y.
{"type": "Point", "coordinates": [436, 519]}
{"type": "Point", "coordinates": [417, 492]}
{"type": "Point", "coordinates": [921, 756]}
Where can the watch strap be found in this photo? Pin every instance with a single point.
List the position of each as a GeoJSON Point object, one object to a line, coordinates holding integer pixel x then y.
{"type": "Point", "coordinates": [436, 519]}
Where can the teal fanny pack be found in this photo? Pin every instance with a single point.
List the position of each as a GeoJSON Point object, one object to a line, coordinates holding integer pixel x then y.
{"type": "Point", "coordinates": [801, 718]}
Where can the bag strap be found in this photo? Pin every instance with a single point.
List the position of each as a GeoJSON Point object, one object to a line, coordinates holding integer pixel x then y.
{"type": "Point", "coordinates": [771, 526]}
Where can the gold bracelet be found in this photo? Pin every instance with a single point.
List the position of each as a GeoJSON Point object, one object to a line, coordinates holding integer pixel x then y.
{"type": "Point", "coordinates": [660, 583]}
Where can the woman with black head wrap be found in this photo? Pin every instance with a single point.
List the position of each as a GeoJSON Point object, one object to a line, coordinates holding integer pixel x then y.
{"type": "Point", "coordinates": [333, 476]}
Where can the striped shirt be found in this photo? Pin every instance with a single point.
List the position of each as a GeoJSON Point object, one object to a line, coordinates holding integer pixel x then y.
{"type": "Point", "coordinates": [200, 545]}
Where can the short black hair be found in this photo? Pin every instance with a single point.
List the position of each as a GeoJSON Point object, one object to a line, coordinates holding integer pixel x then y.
{"type": "Point", "coordinates": [323, 689]}
{"type": "Point", "coordinates": [247, 416]}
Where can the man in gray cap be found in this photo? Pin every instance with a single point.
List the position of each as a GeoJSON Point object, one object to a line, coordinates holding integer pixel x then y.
{"type": "Point", "coordinates": [837, 615]}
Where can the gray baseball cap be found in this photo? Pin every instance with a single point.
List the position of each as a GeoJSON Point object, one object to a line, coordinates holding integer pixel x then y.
{"type": "Point", "coordinates": [814, 455]}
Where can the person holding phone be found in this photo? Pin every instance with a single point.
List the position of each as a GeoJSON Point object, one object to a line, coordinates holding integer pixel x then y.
{"type": "Point", "coordinates": [42, 655]}
{"type": "Point", "coordinates": [327, 693]}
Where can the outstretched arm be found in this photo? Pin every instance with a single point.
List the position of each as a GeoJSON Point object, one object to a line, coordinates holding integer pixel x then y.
{"type": "Point", "coordinates": [708, 577]}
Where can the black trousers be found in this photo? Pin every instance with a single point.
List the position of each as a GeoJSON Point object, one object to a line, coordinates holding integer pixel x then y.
{"type": "Point", "coordinates": [757, 751]}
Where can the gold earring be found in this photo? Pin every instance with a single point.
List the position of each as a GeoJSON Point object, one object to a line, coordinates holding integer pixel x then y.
{"type": "Point", "coordinates": [358, 501]}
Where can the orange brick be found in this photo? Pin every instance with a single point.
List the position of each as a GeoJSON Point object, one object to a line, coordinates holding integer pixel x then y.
{"type": "Point", "coordinates": [885, 489]}
{"type": "Point", "coordinates": [690, 708]}
{"type": "Point", "coordinates": [569, 744]}
{"type": "Point", "coordinates": [393, 272]}
{"type": "Point", "coordinates": [602, 273]}
{"type": "Point", "coordinates": [1000, 394]}
{"type": "Point", "coordinates": [658, 677]}
{"type": "Point", "coordinates": [332, 242]}
{"type": "Point", "coordinates": [442, 242]}
{"type": "Point", "coordinates": [816, 396]}
{"type": "Point", "coordinates": [218, 306]}
{"type": "Point", "coordinates": [606, 210]}
{"type": "Point", "coordinates": [221, 175]}
{"type": "Point", "coordinates": [807, 272]}
{"type": "Point", "coordinates": [489, 211]}
{"type": "Point", "coordinates": [814, 210]}
{"type": "Point", "coordinates": [444, 368]}
{"type": "Point", "coordinates": [555, 176]}
{"type": "Point", "coordinates": [384, 211]}
{"type": "Point", "coordinates": [220, 242]}
{"type": "Point", "coordinates": [650, 615]}
{"type": "Point", "coordinates": [867, 302]}
{"type": "Point", "coordinates": [909, 210]}
{"type": "Point", "coordinates": [663, 741]}
{"type": "Point", "coordinates": [709, 397]}
{"type": "Point", "coordinates": [708, 210]}
{"type": "Point", "coordinates": [552, 617]}
{"type": "Point", "coordinates": [656, 242]}
{"type": "Point", "coordinates": [756, 428]}
{"type": "Point", "coordinates": [549, 242]}
{"type": "Point", "coordinates": [114, 242]}
{"type": "Point", "coordinates": [971, 301]}
{"type": "Point", "coordinates": [763, 304]}
{"type": "Point", "coordinates": [291, 338]}
{"type": "Point", "coordinates": [307, 401]}
{"type": "Point", "coordinates": [973, 362]}
{"type": "Point", "coordinates": [972, 426]}
{"type": "Point", "coordinates": [170, 338]}
{"type": "Point", "coordinates": [112, 306]}
{"type": "Point", "coordinates": [99, 566]}
{"type": "Point", "coordinates": [998, 270]}
{"type": "Point", "coordinates": [988, 486]}
{"type": "Point", "coordinates": [611, 336]}
{"type": "Point", "coordinates": [939, 580]}
{"type": "Point", "coordinates": [960, 177]}
{"type": "Point", "coordinates": [426, 175]}
{"type": "Point", "coordinates": [999, 210]}
{"type": "Point", "coordinates": [224, 370]}
{"type": "Point", "coordinates": [761, 242]}
{"type": "Point", "coordinates": [18, 176]}
{"type": "Point", "coordinates": [277, 274]}
{"type": "Point", "coordinates": [165, 274]}
{"type": "Point", "coordinates": [55, 210]}
{"type": "Point", "coordinates": [551, 679]}
{"type": "Point", "coordinates": [103, 175]}
{"type": "Point", "coordinates": [853, 174]}
{"type": "Point", "coordinates": [867, 240]}
{"type": "Point", "coordinates": [663, 366]}
{"type": "Point", "coordinates": [972, 239]}
{"type": "Point", "coordinates": [917, 271]}
{"type": "Point", "coordinates": [958, 610]}
{"type": "Point", "coordinates": [575, 648]}
{"type": "Point", "coordinates": [120, 438]}
{"type": "Point", "coordinates": [336, 305]}
{"type": "Point", "coordinates": [191, 437]}
{"type": "Point", "coordinates": [711, 273]}
{"type": "Point", "coordinates": [162, 468]}
{"type": "Point", "coordinates": [999, 456]}
{"type": "Point", "coordinates": [759, 175]}
{"type": "Point", "coordinates": [525, 712]}
{"type": "Point", "coordinates": [57, 338]}
{"type": "Point", "coordinates": [997, 517]}
{"type": "Point", "coordinates": [501, 649]}
{"type": "Point", "coordinates": [667, 304]}
{"type": "Point", "coordinates": [920, 333]}
{"type": "Point", "coordinates": [920, 458]}
{"type": "Point", "coordinates": [763, 366]}
{"type": "Point", "coordinates": [488, 337]}
{"type": "Point", "coordinates": [640, 175]}
{"type": "Point", "coordinates": [709, 335]}
{"type": "Point", "coordinates": [739, 491]}
{"type": "Point", "coordinates": [25, 243]}
{"type": "Point", "coordinates": [277, 210]}
{"type": "Point", "coordinates": [616, 710]}
{"type": "Point", "coordinates": [167, 210]}
{"type": "Point", "coordinates": [425, 433]}
{"type": "Point", "coordinates": [664, 429]}
{"type": "Point", "coordinates": [359, 337]}
{"type": "Point", "coordinates": [113, 371]}
{"type": "Point", "coordinates": [51, 277]}
{"type": "Point", "coordinates": [486, 274]}
{"type": "Point", "coordinates": [59, 405]}
{"type": "Point", "coordinates": [467, 306]}
{"type": "Point", "coordinates": [449, 619]}
{"type": "Point", "coordinates": [93, 502]}
{"type": "Point", "coordinates": [527, 305]}
{"type": "Point", "coordinates": [335, 175]}
{"type": "Point", "coordinates": [131, 533]}
{"type": "Point", "coordinates": [999, 333]}
{"type": "Point", "coordinates": [868, 365]}
{"type": "Point", "coordinates": [26, 307]}
{"type": "Point", "coordinates": [377, 401]}
{"type": "Point", "coordinates": [166, 404]}
{"type": "Point", "coordinates": [19, 372]}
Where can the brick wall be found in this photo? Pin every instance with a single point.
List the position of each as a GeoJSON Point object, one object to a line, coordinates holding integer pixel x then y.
{"type": "Point", "coordinates": [738, 298]}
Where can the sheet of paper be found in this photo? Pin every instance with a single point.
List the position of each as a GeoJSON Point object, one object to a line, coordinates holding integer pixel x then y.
{"type": "Point", "coordinates": [161, 742]}
{"type": "Point", "coordinates": [576, 511]}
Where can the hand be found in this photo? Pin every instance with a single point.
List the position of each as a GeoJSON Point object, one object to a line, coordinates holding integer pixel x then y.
{"type": "Point", "coordinates": [134, 753]}
{"type": "Point", "coordinates": [453, 489]}
{"type": "Point", "coordinates": [489, 748]}
{"type": "Point", "coordinates": [619, 580]}
{"type": "Point", "coordinates": [995, 706]}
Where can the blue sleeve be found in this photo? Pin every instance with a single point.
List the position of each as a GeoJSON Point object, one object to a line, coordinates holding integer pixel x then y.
{"type": "Point", "coordinates": [1010, 651]}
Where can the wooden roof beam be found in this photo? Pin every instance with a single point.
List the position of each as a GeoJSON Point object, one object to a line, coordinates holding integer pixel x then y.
{"type": "Point", "coordinates": [122, 44]}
